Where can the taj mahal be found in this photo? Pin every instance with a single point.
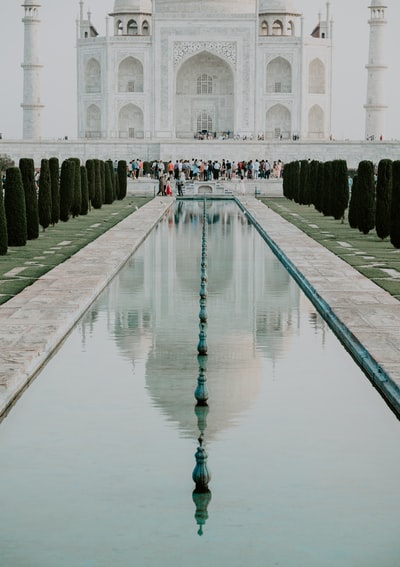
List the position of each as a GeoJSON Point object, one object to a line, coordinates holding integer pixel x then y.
{"type": "Point", "coordinates": [173, 69]}
{"type": "Point", "coordinates": [168, 73]}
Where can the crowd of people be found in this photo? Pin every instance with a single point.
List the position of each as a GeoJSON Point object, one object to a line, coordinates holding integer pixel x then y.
{"type": "Point", "coordinates": [208, 170]}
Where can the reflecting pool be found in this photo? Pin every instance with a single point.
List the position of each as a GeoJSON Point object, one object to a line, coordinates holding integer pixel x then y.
{"type": "Point", "coordinates": [96, 458]}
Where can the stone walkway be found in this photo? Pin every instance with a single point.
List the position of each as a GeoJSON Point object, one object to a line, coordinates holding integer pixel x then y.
{"type": "Point", "coordinates": [36, 321]}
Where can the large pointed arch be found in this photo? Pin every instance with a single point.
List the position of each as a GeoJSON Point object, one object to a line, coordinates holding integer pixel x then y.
{"type": "Point", "coordinates": [278, 122]}
{"type": "Point", "coordinates": [130, 75]}
{"type": "Point", "coordinates": [279, 76]}
{"type": "Point", "coordinates": [93, 122]}
{"type": "Point", "coordinates": [131, 122]}
{"type": "Point", "coordinates": [316, 73]}
{"type": "Point", "coordinates": [316, 119]}
{"type": "Point", "coordinates": [93, 76]}
{"type": "Point", "coordinates": [204, 87]}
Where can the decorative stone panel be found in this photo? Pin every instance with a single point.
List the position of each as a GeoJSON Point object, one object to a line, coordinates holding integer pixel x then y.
{"type": "Point", "coordinates": [226, 49]}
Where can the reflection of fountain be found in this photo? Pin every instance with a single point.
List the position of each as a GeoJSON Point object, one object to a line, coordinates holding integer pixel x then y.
{"type": "Point", "coordinates": [202, 346]}
{"type": "Point", "coordinates": [201, 475]}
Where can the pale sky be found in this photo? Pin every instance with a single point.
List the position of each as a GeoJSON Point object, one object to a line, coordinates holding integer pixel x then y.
{"type": "Point", "coordinates": [58, 57]}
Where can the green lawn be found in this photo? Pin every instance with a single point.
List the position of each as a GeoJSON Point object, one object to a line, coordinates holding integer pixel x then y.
{"type": "Point", "coordinates": [376, 259]}
{"type": "Point", "coordinates": [23, 265]}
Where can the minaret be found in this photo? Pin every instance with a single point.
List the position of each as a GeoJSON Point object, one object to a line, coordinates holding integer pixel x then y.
{"type": "Point", "coordinates": [32, 107]}
{"type": "Point", "coordinates": [375, 106]}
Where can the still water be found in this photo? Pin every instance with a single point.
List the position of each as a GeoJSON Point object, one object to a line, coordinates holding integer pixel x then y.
{"type": "Point", "coordinates": [96, 458]}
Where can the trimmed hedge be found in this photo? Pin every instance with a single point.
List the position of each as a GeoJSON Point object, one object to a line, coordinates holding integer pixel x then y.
{"type": "Point", "coordinates": [366, 191]}
{"type": "Point", "coordinates": [3, 225]}
{"type": "Point", "coordinates": [54, 166]}
{"type": "Point", "coordinates": [395, 206]}
{"type": "Point", "coordinates": [14, 205]}
{"type": "Point", "coordinates": [27, 167]}
{"type": "Point", "coordinates": [44, 199]}
{"type": "Point", "coordinates": [383, 198]}
{"type": "Point", "coordinates": [66, 188]}
{"type": "Point", "coordinates": [122, 179]}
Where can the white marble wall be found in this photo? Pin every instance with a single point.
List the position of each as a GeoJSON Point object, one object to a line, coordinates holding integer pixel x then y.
{"type": "Point", "coordinates": [353, 152]}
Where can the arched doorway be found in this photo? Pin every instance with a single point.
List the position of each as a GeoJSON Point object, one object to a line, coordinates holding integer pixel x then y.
{"type": "Point", "coordinates": [130, 122]}
{"type": "Point", "coordinates": [278, 122]}
{"type": "Point", "coordinates": [204, 96]}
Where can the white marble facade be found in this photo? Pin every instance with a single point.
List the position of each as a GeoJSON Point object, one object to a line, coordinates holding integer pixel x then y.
{"type": "Point", "coordinates": [171, 69]}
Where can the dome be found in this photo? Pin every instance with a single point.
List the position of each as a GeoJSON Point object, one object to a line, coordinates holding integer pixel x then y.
{"type": "Point", "coordinates": [134, 6]}
{"type": "Point", "coordinates": [278, 7]}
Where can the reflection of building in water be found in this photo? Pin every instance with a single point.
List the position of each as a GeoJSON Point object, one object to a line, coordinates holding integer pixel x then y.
{"type": "Point", "coordinates": [252, 312]}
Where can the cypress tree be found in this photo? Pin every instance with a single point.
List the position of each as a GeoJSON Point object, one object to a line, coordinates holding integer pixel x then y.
{"type": "Point", "coordinates": [91, 179]}
{"type": "Point", "coordinates": [383, 198]}
{"type": "Point", "coordinates": [304, 191]}
{"type": "Point", "coordinates": [97, 200]}
{"type": "Point", "coordinates": [327, 193]}
{"type": "Point", "coordinates": [3, 224]}
{"type": "Point", "coordinates": [122, 179]}
{"type": "Point", "coordinates": [44, 201]}
{"type": "Point", "coordinates": [366, 192]}
{"type": "Point", "coordinates": [313, 181]}
{"type": "Point", "coordinates": [353, 205]}
{"type": "Point", "coordinates": [285, 182]}
{"type": "Point", "coordinates": [109, 192]}
{"type": "Point", "coordinates": [54, 166]}
{"type": "Point", "coordinates": [27, 168]}
{"type": "Point", "coordinates": [116, 183]}
{"type": "Point", "coordinates": [320, 186]}
{"type": "Point", "coordinates": [77, 191]}
{"type": "Point", "coordinates": [395, 205]}
{"type": "Point", "coordinates": [295, 183]}
{"type": "Point", "coordinates": [14, 205]}
{"type": "Point", "coordinates": [110, 166]}
{"type": "Point", "coordinates": [84, 191]}
{"type": "Point", "coordinates": [340, 195]}
{"type": "Point", "coordinates": [66, 188]}
{"type": "Point", "coordinates": [103, 181]}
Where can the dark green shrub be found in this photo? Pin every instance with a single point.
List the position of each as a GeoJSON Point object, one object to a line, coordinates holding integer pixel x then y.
{"type": "Point", "coordinates": [383, 198]}
{"type": "Point", "coordinates": [109, 192]}
{"type": "Point", "coordinates": [395, 205]}
{"type": "Point", "coordinates": [54, 166]}
{"type": "Point", "coordinates": [286, 180]}
{"type": "Point", "coordinates": [313, 181]}
{"type": "Point", "coordinates": [3, 224]}
{"type": "Point", "coordinates": [66, 188]}
{"type": "Point", "coordinates": [44, 200]}
{"type": "Point", "coordinates": [97, 198]}
{"type": "Point", "coordinates": [84, 190]}
{"type": "Point", "coordinates": [295, 181]}
{"type": "Point", "coordinates": [91, 179]}
{"type": "Point", "coordinates": [353, 206]}
{"type": "Point", "coordinates": [366, 201]}
{"type": "Point", "coordinates": [122, 179]}
{"type": "Point", "coordinates": [319, 192]}
{"type": "Point", "coordinates": [340, 193]}
{"type": "Point", "coordinates": [110, 166]}
{"type": "Point", "coordinates": [146, 168]}
{"type": "Point", "coordinates": [103, 181]}
{"type": "Point", "coordinates": [77, 191]}
{"type": "Point", "coordinates": [327, 192]}
{"type": "Point", "coordinates": [14, 205]}
{"type": "Point", "coordinates": [304, 190]}
{"type": "Point", "coordinates": [27, 168]}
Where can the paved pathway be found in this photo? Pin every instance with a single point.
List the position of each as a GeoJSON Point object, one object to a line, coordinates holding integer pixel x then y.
{"type": "Point", "coordinates": [34, 323]}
